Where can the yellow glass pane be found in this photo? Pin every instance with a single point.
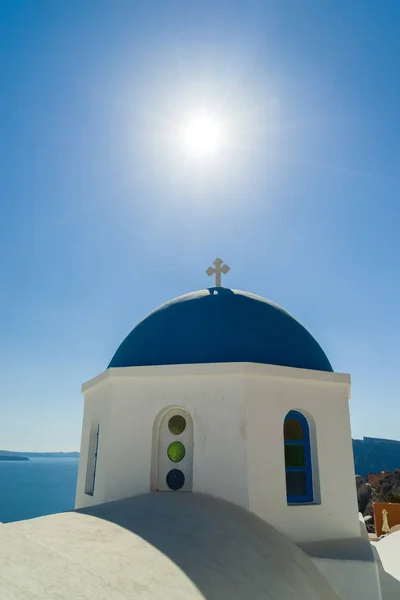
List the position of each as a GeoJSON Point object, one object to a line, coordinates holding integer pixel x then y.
{"type": "Point", "coordinates": [293, 430]}
{"type": "Point", "coordinates": [177, 424]}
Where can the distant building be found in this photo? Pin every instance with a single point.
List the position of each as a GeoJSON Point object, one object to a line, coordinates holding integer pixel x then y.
{"type": "Point", "coordinates": [376, 478]}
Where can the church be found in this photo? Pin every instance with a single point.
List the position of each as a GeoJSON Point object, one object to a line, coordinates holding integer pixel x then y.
{"type": "Point", "coordinates": [216, 463]}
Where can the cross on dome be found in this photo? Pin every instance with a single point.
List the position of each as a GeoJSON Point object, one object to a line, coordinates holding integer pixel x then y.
{"type": "Point", "coordinates": [218, 269]}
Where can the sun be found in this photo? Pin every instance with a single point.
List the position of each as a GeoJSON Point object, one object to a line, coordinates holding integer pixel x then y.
{"type": "Point", "coordinates": [202, 135]}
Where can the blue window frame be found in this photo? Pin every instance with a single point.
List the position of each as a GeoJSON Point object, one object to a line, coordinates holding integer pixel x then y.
{"type": "Point", "coordinates": [91, 465]}
{"type": "Point", "coordinates": [296, 433]}
{"type": "Point", "coordinates": [95, 457]}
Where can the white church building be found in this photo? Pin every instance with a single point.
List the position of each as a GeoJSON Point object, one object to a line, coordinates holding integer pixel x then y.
{"type": "Point", "coordinates": [216, 462]}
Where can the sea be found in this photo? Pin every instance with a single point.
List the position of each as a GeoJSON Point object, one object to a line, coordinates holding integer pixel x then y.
{"type": "Point", "coordinates": [40, 486]}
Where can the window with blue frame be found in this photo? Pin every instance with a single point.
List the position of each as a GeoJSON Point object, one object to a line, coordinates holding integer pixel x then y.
{"type": "Point", "coordinates": [296, 433]}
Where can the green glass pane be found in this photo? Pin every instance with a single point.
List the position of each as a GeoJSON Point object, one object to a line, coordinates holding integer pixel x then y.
{"type": "Point", "coordinates": [294, 456]}
{"type": "Point", "coordinates": [177, 424]}
{"type": "Point", "coordinates": [176, 451]}
{"type": "Point", "coordinates": [293, 430]}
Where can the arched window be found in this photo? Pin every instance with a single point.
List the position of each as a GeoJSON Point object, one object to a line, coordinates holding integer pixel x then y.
{"type": "Point", "coordinates": [174, 466]}
{"type": "Point", "coordinates": [299, 484]}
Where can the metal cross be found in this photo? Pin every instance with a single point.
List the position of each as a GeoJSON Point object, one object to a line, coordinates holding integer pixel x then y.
{"type": "Point", "coordinates": [218, 269]}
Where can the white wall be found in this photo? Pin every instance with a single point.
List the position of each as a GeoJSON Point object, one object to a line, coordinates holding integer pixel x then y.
{"type": "Point", "coordinates": [351, 579]}
{"type": "Point", "coordinates": [135, 398]}
{"type": "Point", "coordinates": [323, 397]}
{"type": "Point", "coordinates": [238, 412]}
{"type": "Point", "coordinates": [98, 404]}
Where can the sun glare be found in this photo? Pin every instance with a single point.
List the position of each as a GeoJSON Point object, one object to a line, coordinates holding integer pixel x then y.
{"type": "Point", "coordinates": [202, 135]}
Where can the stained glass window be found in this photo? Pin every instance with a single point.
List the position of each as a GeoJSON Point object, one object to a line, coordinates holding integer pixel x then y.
{"type": "Point", "coordinates": [296, 432]}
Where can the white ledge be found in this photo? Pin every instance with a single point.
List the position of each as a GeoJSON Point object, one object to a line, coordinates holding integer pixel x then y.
{"type": "Point", "coordinates": [215, 369]}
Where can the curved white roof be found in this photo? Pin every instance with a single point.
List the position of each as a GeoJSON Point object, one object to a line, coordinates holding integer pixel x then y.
{"type": "Point", "coordinates": [167, 546]}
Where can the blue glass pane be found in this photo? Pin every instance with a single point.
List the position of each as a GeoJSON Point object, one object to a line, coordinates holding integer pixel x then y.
{"type": "Point", "coordinates": [175, 479]}
{"type": "Point", "coordinates": [296, 483]}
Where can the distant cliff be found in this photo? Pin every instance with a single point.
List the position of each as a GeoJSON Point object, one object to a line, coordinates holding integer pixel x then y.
{"type": "Point", "coordinates": [373, 455]}
{"type": "Point", "coordinates": [12, 457]}
{"type": "Point", "coordinates": [11, 453]}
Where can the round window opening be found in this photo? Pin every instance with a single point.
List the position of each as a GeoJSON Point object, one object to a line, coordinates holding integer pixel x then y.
{"type": "Point", "coordinates": [176, 451]}
{"type": "Point", "coordinates": [175, 480]}
{"type": "Point", "coordinates": [177, 424]}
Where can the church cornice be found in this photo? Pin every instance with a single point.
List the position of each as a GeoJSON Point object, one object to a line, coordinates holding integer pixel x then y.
{"type": "Point", "coordinates": [218, 369]}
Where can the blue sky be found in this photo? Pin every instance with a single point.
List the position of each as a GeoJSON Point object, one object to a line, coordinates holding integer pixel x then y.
{"type": "Point", "coordinates": [104, 217]}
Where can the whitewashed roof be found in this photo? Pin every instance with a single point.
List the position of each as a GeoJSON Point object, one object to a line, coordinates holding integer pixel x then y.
{"type": "Point", "coordinates": [388, 550]}
{"type": "Point", "coordinates": [163, 546]}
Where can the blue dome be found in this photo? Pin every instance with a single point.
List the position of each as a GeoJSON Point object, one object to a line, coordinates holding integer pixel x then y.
{"type": "Point", "coordinates": [220, 325]}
